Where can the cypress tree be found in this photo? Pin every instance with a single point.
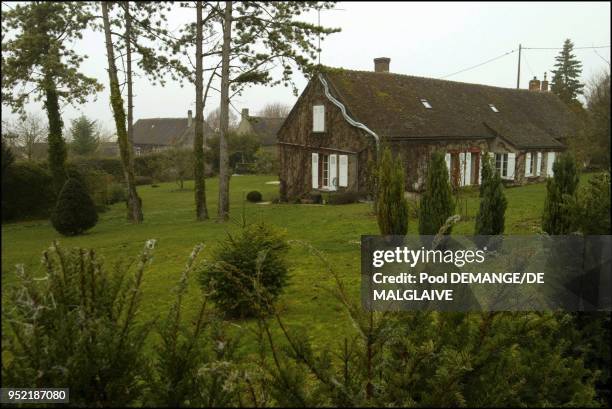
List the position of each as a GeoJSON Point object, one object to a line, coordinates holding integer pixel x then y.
{"type": "Point", "coordinates": [490, 218]}
{"type": "Point", "coordinates": [392, 206]}
{"type": "Point", "coordinates": [74, 212]}
{"type": "Point", "coordinates": [485, 172]}
{"type": "Point", "coordinates": [560, 190]}
{"type": "Point", "coordinates": [437, 201]}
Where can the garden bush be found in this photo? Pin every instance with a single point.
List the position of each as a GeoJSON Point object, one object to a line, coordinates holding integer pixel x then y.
{"type": "Point", "coordinates": [143, 180]}
{"type": "Point", "coordinates": [340, 198]}
{"type": "Point", "coordinates": [254, 196]}
{"type": "Point", "coordinates": [266, 162]}
{"type": "Point", "coordinates": [247, 271]}
{"type": "Point", "coordinates": [391, 205]}
{"type": "Point", "coordinates": [74, 212]}
{"type": "Point", "coordinates": [116, 193]}
{"type": "Point", "coordinates": [27, 192]}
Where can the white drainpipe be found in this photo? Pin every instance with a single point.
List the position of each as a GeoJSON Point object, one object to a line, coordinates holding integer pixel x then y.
{"type": "Point", "coordinates": [345, 115]}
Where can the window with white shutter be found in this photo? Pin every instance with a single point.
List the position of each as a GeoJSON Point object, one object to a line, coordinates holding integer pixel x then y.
{"type": "Point", "coordinates": [550, 160]}
{"type": "Point", "coordinates": [315, 170]}
{"type": "Point", "coordinates": [528, 164]}
{"type": "Point", "coordinates": [318, 118]}
{"type": "Point", "coordinates": [333, 172]}
{"type": "Point", "coordinates": [511, 165]}
{"type": "Point", "coordinates": [538, 169]}
{"type": "Point", "coordinates": [343, 170]}
{"type": "Point", "coordinates": [447, 158]}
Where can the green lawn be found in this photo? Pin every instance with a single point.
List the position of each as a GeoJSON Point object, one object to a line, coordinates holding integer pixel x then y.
{"type": "Point", "coordinates": [169, 218]}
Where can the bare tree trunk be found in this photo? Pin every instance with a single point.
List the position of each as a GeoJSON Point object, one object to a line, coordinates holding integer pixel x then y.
{"type": "Point", "coordinates": [134, 202]}
{"type": "Point", "coordinates": [128, 67]}
{"type": "Point", "coordinates": [198, 140]}
{"type": "Point", "coordinates": [223, 207]}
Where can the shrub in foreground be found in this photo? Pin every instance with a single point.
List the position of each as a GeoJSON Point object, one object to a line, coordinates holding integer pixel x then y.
{"type": "Point", "coordinates": [74, 212]}
{"type": "Point", "coordinates": [391, 205]}
{"type": "Point", "coordinates": [255, 256]}
{"type": "Point", "coordinates": [491, 213]}
{"type": "Point", "coordinates": [27, 192]}
{"type": "Point", "coordinates": [560, 191]}
{"type": "Point", "coordinates": [437, 203]}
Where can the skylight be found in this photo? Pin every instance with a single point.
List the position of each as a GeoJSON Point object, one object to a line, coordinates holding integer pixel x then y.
{"type": "Point", "coordinates": [493, 108]}
{"type": "Point", "coordinates": [425, 103]}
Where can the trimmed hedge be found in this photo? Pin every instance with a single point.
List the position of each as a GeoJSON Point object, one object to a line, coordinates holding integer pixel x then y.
{"type": "Point", "coordinates": [254, 196]}
{"type": "Point", "coordinates": [27, 192]}
{"type": "Point", "coordinates": [74, 212]}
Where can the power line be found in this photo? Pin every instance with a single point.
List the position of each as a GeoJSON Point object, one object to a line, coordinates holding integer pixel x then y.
{"type": "Point", "coordinates": [478, 65]}
{"type": "Point", "coordinates": [561, 48]}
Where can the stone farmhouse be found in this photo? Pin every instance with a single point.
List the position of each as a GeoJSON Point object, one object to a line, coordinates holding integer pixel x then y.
{"type": "Point", "coordinates": [343, 117]}
{"type": "Point", "coordinates": [265, 129]}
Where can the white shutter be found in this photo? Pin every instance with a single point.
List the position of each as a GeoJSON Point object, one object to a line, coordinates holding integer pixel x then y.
{"type": "Point", "coordinates": [468, 168]}
{"type": "Point", "coordinates": [343, 172]}
{"type": "Point", "coordinates": [447, 158]}
{"type": "Point", "coordinates": [315, 171]}
{"type": "Point", "coordinates": [528, 163]}
{"type": "Point", "coordinates": [539, 164]}
{"type": "Point", "coordinates": [333, 172]}
{"type": "Point", "coordinates": [481, 157]}
{"type": "Point", "coordinates": [549, 164]}
{"type": "Point", "coordinates": [511, 165]}
{"type": "Point", "coordinates": [318, 118]}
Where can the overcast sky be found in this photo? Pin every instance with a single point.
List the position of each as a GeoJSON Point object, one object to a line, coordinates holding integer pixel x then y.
{"type": "Point", "coordinates": [423, 39]}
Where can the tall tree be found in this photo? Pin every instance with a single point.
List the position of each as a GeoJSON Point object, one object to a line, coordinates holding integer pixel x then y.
{"type": "Point", "coordinates": [223, 204]}
{"type": "Point", "coordinates": [267, 33]}
{"type": "Point", "coordinates": [38, 62]}
{"type": "Point", "coordinates": [85, 138]}
{"type": "Point", "coordinates": [598, 109]}
{"type": "Point", "coordinates": [198, 140]}
{"type": "Point", "coordinates": [437, 201]}
{"type": "Point", "coordinates": [566, 75]}
{"type": "Point", "coordinates": [125, 150]}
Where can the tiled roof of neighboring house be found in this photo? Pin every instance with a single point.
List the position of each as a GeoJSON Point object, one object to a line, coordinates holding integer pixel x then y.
{"type": "Point", "coordinates": [266, 128]}
{"type": "Point", "coordinates": [165, 131]}
{"type": "Point", "coordinates": [391, 105]}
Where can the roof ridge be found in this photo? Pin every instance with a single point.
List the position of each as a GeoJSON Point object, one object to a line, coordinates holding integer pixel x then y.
{"type": "Point", "coordinates": [339, 70]}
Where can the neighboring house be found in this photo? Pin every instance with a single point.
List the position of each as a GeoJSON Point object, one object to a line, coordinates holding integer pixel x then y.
{"type": "Point", "coordinates": [108, 149]}
{"type": "Point", "coordinates": [157, 134]}
{"type": "Point", "coordinates": [343, 117]}
{"type": "Point", "coordinates": [263, 128]}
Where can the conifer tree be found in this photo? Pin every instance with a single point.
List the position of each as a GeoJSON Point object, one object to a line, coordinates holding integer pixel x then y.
{"type": "Point", "coordinates": [560, 190]}
{"type": "Point", "coordinates": [85, 138]}
{"type": "Point", "coordinates": [491, 214]}
{"type": "Point", "coordinates": [392, 206]}
{"type": "Point", "coordinates": [74, 212]}
{"type": "Point", "coordinates": [437, 201]}
{"type": "Point", "coordinates": [38, 63]}
{"type": "Point", "coordinates": [566, 75]}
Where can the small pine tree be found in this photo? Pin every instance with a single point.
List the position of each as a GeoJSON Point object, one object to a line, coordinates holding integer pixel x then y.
{"type": "Point", "coordinates": [437, 201]}
{"type": "Point", "coordinates": [560, 190]}
{"type": "Point", "coordinates": [485, 172]}
{"type": "Point", "coordinates": [74, 212]}
{"type": "Point", "coordinates": [590, 211]}
{"type": "Point", "coordinates": [392, 206]}
{"type": "Point", "coordinates": [85, 138]}
{"type": "Point", "coordinates": [490, 218]}
{"type": "Point", "coordinates": [566, 77]}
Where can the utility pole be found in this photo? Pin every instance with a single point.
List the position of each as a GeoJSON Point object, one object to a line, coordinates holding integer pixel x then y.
{"type": "Point", "coordinates": [518, 75]}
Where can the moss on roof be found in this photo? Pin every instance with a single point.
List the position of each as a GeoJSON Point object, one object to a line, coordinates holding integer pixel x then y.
{"type": "Point", "coordinates": [390, 104]}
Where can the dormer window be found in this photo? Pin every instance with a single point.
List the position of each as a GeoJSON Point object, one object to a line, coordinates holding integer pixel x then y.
{"type": "Point", "coordinates": [318, 118]}
{"type": "Point", "coordinates": [425, 103]}
{"type": "Point", "coordinates": [493, 108]}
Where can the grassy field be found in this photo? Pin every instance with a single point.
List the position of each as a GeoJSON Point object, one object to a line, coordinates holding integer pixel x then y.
{"type": "Point", "coordinates": [169, 218]}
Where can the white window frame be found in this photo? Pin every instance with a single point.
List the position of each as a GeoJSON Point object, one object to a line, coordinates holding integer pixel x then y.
{"type": "Point", "coordinates": [318, 118]}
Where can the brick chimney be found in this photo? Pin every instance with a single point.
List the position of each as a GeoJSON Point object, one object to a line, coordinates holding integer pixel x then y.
{"type": "Point", "coordinates": [189, 118]}
{"type": "Point", "coordinates": [245, 114]}
{"type": "Point", "coordinates": [544, 87]}
{"type": "Point", "coordinates": [381, 64]}
{"type": "Point", "coordinates": [534, 84]}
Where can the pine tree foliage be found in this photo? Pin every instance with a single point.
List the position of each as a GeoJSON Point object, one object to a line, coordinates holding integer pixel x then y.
{"type": "Point", "coordinates": [590, 208]}
{"type": "Point", "coordinates": [39, 63]}
{"type": "Point", "coordinates": [85, 139]}
{"type": "Point", "coordinates": [437, 203]}
{"type": "Point", "coordinates": [77, 328]}
{"type": "Point", "coordinates": [392, 206]}
{"type": "Point", "coordinates": [560, 190]}
{"type": "Point", "coordinates": [491, 213]}
{"type": "Point", "coordinates": [75, 211]}
{"type": "Point", "coordinates": [566, 75]}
